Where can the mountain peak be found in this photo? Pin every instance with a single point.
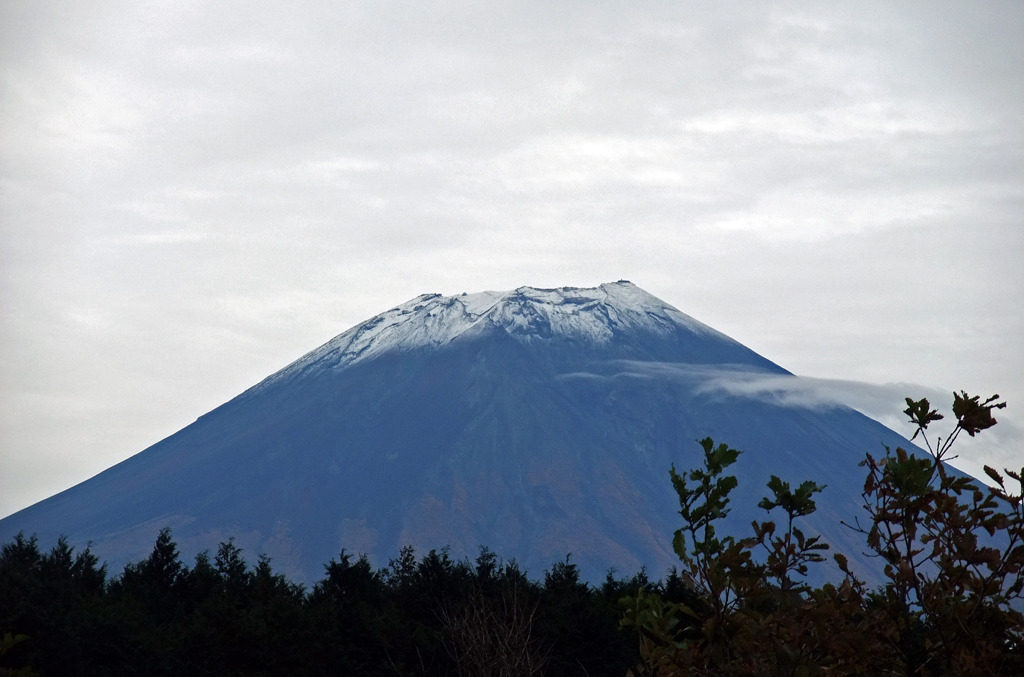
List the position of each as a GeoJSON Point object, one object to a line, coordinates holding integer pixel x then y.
{"type": "Point", "coordinates": [589, 315]}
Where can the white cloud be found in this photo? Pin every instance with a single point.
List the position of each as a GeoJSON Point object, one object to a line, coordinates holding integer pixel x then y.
{"type": "Point", "coordinates": [998, 447]}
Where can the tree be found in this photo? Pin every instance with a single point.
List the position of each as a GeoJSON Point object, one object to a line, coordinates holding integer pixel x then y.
{"type": "Point", "coordinates": [952, 555]}
{"type": "Point", "coordinates": [51, 601]}
{"type": "Point", "coordinates": [953, 551]}
{"type": "Point", "coordinates": [158, 575]}
{"type": "Point", "coordinates": [490, 629]}
{"type": "Point", "coordinates": [344, 611]}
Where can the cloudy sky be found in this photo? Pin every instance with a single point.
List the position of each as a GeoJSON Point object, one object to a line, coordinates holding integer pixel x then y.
{"type": "Point", "coordinates": [194, 194]}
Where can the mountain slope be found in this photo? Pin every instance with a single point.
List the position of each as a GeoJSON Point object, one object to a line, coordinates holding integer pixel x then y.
{"type": "Point", "coordinates": [536, 422]}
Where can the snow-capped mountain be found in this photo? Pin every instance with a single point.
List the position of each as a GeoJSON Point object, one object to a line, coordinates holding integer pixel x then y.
{"type": "Point", "coordinates": [619, 314]}
{"type": "Point", "coordinates": [537, 422]}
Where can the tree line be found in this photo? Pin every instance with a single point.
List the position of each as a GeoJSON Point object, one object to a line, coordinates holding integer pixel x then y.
{"type": "Point", "coordinates": [951, 552]}
{"type": "Point", "coordinates": [429, 615]}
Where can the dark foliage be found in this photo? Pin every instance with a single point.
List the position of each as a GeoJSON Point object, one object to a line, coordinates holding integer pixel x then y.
{"type": "Point", "coordinates": [429, 615]}
{"type": "Point", "coordinates": [951, 552]}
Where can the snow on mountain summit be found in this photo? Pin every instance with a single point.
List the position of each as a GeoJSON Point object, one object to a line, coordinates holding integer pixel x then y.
{"type": "Point", "coordinates": [593, 315]}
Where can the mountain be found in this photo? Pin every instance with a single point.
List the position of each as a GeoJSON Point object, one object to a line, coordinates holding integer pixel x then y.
{"type": "Point", "coordinates": [537, 422]}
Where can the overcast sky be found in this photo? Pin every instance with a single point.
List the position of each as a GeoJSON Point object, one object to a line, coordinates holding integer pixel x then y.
{"type": "Point", "coordinates": [193, 194]}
